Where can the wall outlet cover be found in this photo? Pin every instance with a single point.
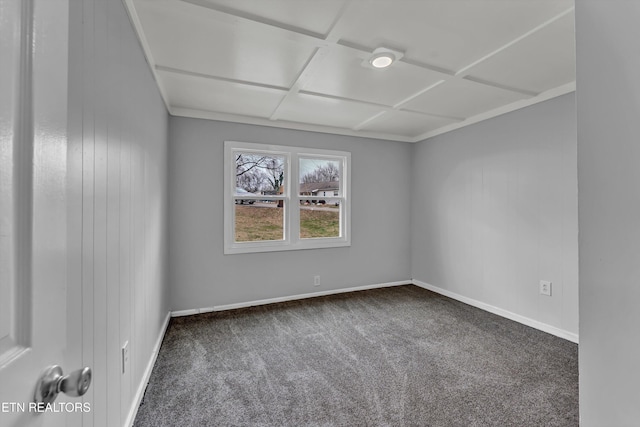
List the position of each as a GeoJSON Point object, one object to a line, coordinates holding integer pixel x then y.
{"type": "Point", "coordinates": [545, 287]}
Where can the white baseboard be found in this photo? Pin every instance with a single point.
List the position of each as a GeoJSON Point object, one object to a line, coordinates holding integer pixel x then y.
{"type": "Point", "coordinates": [570, 336]}
{"type": "Point", "coordinates": [287, 298]}
{"type": "Point", "coordinates": [137, 398]}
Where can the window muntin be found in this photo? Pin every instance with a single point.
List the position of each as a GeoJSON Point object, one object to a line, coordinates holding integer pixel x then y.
{"type": "Point", "coordinates": [266, 209]}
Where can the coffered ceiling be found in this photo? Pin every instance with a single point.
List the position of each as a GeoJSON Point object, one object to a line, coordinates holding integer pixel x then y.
{"type": "Point", "coordinates": [304, 64]}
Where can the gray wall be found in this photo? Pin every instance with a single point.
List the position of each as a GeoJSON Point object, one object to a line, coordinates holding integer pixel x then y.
{"type": "Point", "coordinates": [118, 203]}
{"type": "Point", "coordinates": [202, 276]}
{"type": "Point", "coordinates": [494, 210]}
{"type": "Point", "coordinates": [608, 99]}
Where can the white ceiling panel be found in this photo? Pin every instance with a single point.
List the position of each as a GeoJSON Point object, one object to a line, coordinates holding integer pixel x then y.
{"type": "Point", "coordinates": [445, 33]}
{"type": "Point", "coordinates": [405, 123]}
{"type": "Point", "coordinates": [462, 98]}
{"type": "Point", "coordinates": [299, 63]}
{"type": "Point", "coordinates": [342, 74]}
{"type": "Point", "coordinates": [220, 97]}
{"type": "Point", "coordinates": [188, 37]}
{"type": "Point", "coordinates": [306, 15]}
{"type": "Point", "coordinates": [540, 62]}
{"type": "Point", "coordinates": [325, 111]}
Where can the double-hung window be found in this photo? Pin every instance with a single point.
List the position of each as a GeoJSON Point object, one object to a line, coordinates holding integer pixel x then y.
{"type": "Point", "coordinates": [280, 198]}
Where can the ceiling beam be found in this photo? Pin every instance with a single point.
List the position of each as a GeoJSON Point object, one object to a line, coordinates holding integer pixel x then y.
{"type": "Point", "coordinates": [316, 58]}
{"type": "Point", "coordinates": [527, 93]}
{"type": "Point", "coordinates": [466, 70]}
{"type": "Point", "coordinates": [314, 61]}
{"type": "Point", "coordinates": [237, 17]}
{"type": "Point", "coordinates": [363, 123]}
{"type": "Point", "coordinates": [187, 73]}
{"type": "Point", "coordinates": [398, 105]}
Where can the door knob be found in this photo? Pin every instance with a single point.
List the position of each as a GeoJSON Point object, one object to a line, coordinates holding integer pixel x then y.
{"type": "Point", "coordinates": [52, 382]}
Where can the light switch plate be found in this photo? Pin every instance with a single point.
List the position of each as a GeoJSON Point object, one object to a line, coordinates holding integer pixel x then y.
{"type": "Point", "coordinates": [125, 357]}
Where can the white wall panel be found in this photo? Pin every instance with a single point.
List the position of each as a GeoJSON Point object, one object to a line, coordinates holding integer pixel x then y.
{"type": "Point", "coordinates": [494, 210]}
{"type": "Point", "coordinates": [118, 209]}
{"type": "Point", "coordinates": [608, 98]}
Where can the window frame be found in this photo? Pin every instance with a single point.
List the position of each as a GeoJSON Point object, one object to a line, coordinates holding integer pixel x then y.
{"type": "Point", "coordinates": [291, 199]}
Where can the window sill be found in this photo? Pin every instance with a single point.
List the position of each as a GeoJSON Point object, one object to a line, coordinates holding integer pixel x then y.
{"type": "Point", "coordinates": [257, 247]}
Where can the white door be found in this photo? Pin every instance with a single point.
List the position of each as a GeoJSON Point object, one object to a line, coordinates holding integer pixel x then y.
{"type": "Point", "coordinates": [38, 319]}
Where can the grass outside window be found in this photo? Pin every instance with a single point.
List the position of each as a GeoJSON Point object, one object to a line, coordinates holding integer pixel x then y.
{"type": "Point", "coordinates": [258, 223]}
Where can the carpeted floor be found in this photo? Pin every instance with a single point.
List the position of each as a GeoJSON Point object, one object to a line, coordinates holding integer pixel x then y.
{"type": "Point", "coordinates": [400, 356]}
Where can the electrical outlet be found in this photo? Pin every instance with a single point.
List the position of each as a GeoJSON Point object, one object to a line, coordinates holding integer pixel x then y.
{"type": "Point", "coordinates": [125, 357]}
{"type": "Point", "coordinates": [316, 280]}
{"type": "Point", "coordinates": [545, 287]}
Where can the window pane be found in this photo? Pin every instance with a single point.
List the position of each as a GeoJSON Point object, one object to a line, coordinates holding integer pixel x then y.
{"type": "Point", "coordinates": [319, 178]}
{"type": "Point", "coordinates": [319, 220]}
{"type": "Point", "coordinates": [259, 221]}
{"type": "Point", "coordinates": [259, 173]}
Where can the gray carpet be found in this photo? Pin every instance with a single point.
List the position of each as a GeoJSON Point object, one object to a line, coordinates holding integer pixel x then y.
{"type": "Point", "coordinates": [400, 356]}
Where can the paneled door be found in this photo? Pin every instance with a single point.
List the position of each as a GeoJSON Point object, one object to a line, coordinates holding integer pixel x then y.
{"type": "Point", "coordinates": [39, 320]}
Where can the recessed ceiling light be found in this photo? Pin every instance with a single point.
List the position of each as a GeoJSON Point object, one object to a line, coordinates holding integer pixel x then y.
{"type": "Point", "coordinates": [382, 60]}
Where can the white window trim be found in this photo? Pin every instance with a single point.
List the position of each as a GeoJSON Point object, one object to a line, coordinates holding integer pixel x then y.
{"type": "Point", "coordinates": [291, 198]}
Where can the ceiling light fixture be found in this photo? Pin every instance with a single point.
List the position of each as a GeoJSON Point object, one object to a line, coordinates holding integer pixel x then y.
{"type": "Point", "coordinates": [382, 58]}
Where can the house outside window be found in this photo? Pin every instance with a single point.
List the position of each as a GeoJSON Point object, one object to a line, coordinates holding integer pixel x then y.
{"type": "Point", "coordinates": [280, 198]}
